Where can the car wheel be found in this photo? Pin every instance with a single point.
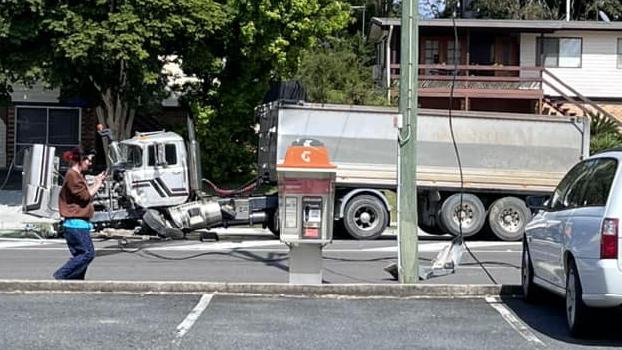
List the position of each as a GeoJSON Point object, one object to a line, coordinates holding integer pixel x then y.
{"type": "Point", "coordinates": [531, 292]}
{"type": "Point", "coordinates": [473, 214]}
{"type": "Point", "coordinates": [577, 313]}
{"type": "Point", "coordinates": [365, 217]}
{"type": "Point", "coordinates": [507, 218]}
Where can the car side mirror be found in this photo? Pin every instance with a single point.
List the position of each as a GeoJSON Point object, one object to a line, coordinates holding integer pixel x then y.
{"type": "Point", "coordinates": [536, 203]}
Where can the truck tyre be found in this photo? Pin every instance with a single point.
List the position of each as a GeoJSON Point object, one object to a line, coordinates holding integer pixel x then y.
{"type": "Point", "coordinates": [365, 217]}
{"type": "Point", "coordinates": [157, 223]}
{"type": "Point", "coordinates": [507, 218]}
{"type": "Point", "coordinates": [473, 214]}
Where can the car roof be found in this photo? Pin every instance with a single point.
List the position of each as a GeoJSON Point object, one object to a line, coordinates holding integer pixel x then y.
{"type": "Point", "coordinates": [609, 153]}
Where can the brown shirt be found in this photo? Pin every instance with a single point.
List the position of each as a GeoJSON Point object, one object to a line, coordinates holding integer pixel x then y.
{"type": "Point", "coordinates": [74, 200]}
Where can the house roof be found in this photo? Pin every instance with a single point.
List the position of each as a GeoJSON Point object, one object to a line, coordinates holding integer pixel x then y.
{"type": "Point", "coordinates": [540, 26]}
{"type": "Point", "coordinates": [528, 25]}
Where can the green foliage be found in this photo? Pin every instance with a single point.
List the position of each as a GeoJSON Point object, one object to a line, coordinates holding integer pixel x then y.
{"type": "Point", "coordinates": [263, 43]}
{"type": "Point", "coordinates": [545, 9]}
{"type": "Point", "coordinates": [110, 52]}
{"type": "Point", "coordinates": [339, 71]}
{"type": "Point", "coordinates": [604, 133]}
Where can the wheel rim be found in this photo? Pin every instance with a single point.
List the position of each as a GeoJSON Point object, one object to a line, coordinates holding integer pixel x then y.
{"type": "Point", "coordinates": [510, 219]}
{"type": "Point", "coordinates": [466, 214]}
{"type": "Point", "coordinates": [366, 218]}
{"type": "Point", "coordinates": [571, 297]}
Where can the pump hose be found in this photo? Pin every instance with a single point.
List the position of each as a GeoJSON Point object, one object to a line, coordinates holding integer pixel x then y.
{"type": "Point", "coordinates": [245, 188]}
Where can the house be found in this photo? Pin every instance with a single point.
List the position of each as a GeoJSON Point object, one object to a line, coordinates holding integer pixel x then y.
{"type": "Point", "coordinates": [39, 115]}
{"type": "Point", "coordinates": [546, 67]}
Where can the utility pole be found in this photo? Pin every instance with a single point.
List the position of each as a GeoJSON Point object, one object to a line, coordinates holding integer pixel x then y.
{"type": "Point", "coordinates": [408, 254]}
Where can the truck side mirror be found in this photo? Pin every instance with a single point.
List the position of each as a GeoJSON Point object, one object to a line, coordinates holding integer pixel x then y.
{"type": "Point", "coordinates": [160, 155]}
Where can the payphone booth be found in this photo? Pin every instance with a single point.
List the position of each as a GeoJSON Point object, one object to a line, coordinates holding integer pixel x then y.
{"type": "Point", "coordinates": [306, 181]}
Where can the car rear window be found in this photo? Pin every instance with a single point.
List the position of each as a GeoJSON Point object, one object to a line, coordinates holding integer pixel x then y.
{"type": "Point", "coordinates": [600, 181]}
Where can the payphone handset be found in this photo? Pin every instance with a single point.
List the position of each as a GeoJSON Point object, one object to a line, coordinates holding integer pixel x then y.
{"type": "Point", "coordinates": [312, 218]}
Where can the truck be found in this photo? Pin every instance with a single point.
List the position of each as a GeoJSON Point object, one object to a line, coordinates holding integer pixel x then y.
{"type": "Point", "coordinates": [505, 158]}
{"type": "Point", "coordinates": [155, 179]}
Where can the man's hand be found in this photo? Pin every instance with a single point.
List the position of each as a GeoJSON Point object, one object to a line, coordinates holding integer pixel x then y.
{"type": "Point", "coordinates": [97, 184]}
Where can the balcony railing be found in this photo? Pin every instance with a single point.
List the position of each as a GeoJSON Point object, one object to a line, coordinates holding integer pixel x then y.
{"type": "Point", "coordinates": [477, 81]}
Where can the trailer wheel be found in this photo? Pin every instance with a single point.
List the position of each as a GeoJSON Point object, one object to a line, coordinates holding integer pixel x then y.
{"type": "Point", "coordinates": [507, 218]}
{"type": "Point", "coordinates": [473, 214]}
{"type": "Point", "coordinates": [365, 217]}
{"type": "Point", "coordinates": [158, 224]}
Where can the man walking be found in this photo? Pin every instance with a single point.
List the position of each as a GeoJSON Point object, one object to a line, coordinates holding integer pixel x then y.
{"type": "Point", "coordinates": [76, 207]}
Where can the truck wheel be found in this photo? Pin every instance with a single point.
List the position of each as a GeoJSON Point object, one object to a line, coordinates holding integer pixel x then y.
{"type": "Point", "coordinates": [273, 223]}
{"type": "Point", "coordinates": [158, 224]}
{"type": "Point", "coordinates": [365, 217]}
{"type": "Point", "coordinates": [473, 214]}
{"type": "Point", "coordinates": [507, 218]}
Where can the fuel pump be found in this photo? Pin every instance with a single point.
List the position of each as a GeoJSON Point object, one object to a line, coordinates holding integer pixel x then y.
{"type": "Point", "coordinates": [306, 181]}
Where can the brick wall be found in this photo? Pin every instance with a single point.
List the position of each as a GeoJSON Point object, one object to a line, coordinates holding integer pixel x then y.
{"type": "Point", "coordinates": [88, 129]}
{"type": "Point", "coordinates": [3, 144]}
{"type": "Point", "coordinates": [10, 134]}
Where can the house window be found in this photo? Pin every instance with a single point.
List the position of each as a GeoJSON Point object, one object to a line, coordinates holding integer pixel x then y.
{"type": "Point", "coordinates": [619, 53]}
{"type": "Point", "coordinates": [432, 52]}
{"type": "Point", "coordinates": [451, 51]}
{"type": "Point", "coordinates": [57, 127]}
{"type": "Point", "coordinates": [559, 52]}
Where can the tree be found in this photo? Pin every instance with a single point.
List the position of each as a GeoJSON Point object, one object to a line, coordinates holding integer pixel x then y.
{"type": "Point", "coordinates": [110, 52]}
{"type": "Point", "coordinates": [338, 70]}
{"type": "Point", "coordinates": [545, 9]}
{"type": "Point", "coordinates": [263, 42]}
{"type": "Point", "coordinates": [604, 133]}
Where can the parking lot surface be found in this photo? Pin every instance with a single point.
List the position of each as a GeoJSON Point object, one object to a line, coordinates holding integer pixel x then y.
{"type": "Point", "coordinates": [103, 321]}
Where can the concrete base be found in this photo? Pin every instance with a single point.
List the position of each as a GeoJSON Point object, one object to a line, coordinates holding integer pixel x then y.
{"type": "Point", "coordinates": [305, 264]}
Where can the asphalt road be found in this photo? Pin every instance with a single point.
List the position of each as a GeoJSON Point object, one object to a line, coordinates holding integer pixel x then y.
{"type": "Point", "coordinates": [252, 255]}
{"type": "Point", "coordinates": [82, 321]}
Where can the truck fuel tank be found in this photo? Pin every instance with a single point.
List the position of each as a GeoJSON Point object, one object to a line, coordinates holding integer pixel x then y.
{"type": "Point", "coordinates": [196, 215]}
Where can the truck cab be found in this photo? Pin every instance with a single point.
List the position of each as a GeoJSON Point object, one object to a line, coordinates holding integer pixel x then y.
{"type": "Point", "coordinates": [155, 169]}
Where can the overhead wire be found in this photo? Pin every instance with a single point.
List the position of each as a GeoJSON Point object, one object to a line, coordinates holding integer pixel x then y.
{"type": "Point", "coordinates": [455, 145]}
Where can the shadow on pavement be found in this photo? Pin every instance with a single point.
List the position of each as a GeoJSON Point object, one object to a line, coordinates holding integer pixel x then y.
{"type": "Point", "coordinates": [549, 318]}
{"type": "Point", "coordinates": [142, 248]}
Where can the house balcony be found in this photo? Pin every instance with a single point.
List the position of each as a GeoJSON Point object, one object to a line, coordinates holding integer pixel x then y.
{"type": "Point", "coordinates": [477, 82]}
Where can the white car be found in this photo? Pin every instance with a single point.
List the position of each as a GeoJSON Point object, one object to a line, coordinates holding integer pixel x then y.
{"type": "Point", "coordinates": [571, 245]}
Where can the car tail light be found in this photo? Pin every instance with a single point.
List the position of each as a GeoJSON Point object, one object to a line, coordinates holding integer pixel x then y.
{"type": "Point", "coordinates": [609, 239]}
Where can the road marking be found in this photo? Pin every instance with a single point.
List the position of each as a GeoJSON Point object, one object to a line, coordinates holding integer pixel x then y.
{"type": "Point", "coordinates": [187, 323]}
{"type": "Point", "coordinates": [509, 317]}
{"type": "Point", "coordinates": [13, 243]}
{"type": "Point", "coordinates": [221, 245]}
{"type": "Point", "coordinates": [434, 247]}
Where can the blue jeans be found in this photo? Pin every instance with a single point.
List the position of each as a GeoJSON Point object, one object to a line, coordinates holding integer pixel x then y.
{"type": "Point", "coordinates": [81, 247]}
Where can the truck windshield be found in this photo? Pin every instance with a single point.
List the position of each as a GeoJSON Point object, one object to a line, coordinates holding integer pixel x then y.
{"type": "Point", "coordinates": [133, 155]}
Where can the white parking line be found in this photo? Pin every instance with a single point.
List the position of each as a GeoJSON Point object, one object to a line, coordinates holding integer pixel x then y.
{"type": "Point", "coordinates": [13, 243]}
{"type": "Point", "coordinates": [187, 323]}
{"type": "Point", "coordinates": [509, 317]}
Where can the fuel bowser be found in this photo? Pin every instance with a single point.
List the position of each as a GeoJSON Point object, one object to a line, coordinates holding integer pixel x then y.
{"type": "Point", "coordinates": [306, 181]}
